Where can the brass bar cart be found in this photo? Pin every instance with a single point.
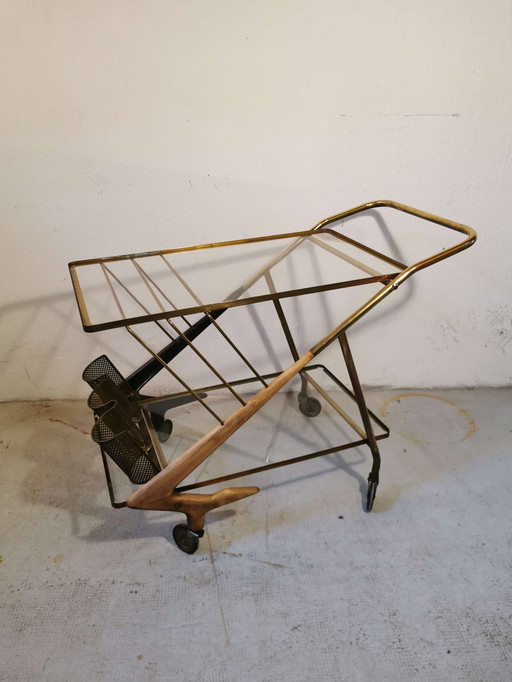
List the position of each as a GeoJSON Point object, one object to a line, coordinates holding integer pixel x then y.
{"type": "Point", "coordinates": [171, 302]}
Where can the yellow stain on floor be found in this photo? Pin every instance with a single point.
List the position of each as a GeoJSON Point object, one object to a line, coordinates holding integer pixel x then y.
{"type": "Point", "coordinates": [470, 422]}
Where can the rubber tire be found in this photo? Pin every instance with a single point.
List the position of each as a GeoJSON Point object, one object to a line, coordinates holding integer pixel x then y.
{"type": "Point", "coordinates": [187, 543]}
{"type": "Point", "coordinates": [310, 407]}
{"type": "Point", "coordinates": [164, 432]}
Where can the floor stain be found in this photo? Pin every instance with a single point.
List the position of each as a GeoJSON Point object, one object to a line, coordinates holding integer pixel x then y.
{"type": "Point", "coordinates": [43, 407]}
{"type": "Point", "coordinates": [470, 424]}
{"type": "Point", "coordinates": [57, 559]}
{"type": "Point", "coordinates": [258, 561]}
{"type": "Point", "coordinates": [60, 421]}
{"type": "Point", "coordinates": [216, 578]}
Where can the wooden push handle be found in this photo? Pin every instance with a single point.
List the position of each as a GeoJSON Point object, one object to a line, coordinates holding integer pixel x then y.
{"type": "Point", "coordinates": [156, 493]}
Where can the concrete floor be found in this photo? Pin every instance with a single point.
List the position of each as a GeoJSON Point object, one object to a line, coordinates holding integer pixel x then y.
{"type": "Point", "coordinates": [297, 583]}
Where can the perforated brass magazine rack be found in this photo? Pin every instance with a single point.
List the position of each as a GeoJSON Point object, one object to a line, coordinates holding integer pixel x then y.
{"type": "Point", "coordinates": [171, 303]}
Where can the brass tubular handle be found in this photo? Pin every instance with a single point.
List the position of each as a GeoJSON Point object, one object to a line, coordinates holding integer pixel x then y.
{"type": "Point", "coordinates": [450, 224]}
{"type": "Point", "coordinates": [388, 203]}
{"type": "Point", "coordinates": [405, 274]}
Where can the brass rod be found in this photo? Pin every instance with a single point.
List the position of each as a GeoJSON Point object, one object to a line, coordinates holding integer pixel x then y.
{"type": "Point", "coordinates": [353, 397]}
{"type": "Point", "coordinates": [207, 363]}
{"type": "Point", "coordinates": [158, 490]}
{"type": "Point", "coordinates": [235, 348]}
{"type": "Point", "coordinates": [286, 329]}
{"type": "Point", "coordinates": [130, 293]}
{"type": "Point", "coordinates": [181, 280]}
{"type": "Point", "coordinates": [80, 300]}
{"type": "Point", "coordinates": [239, 382]}
{"type": "Point", "coordinates": [123, 285]}
{"type": "Point", "coordinates": [236, 303]}
{"type": "Point", "coordinates": [335, 405]}
{"type": "Point", "coordinates": [259, 273]}
{"type": "Point", "coordinates": [273, 465]}
{"type": "Point", "coordinates": [345, 257]}
{"type": "Point", "coordinates": [147, 279]}
{"type": "Point", "coordinates": [215, 387]}
{"type": "Point", "coordinates": [300, 234]}
{"type": "Point", "coordinates": [144, 278]}
{"type": "Point", "coordinates": [387, 203]}
{"type": "Point", "coordinates": [282, 318]}
{"type": "Point", "coordinates": [177, 330]}
{"type": "Point", "coordinates": [105, 271]}
{"type": "Point", "coordinates": [188, 388]}
{"type": "Point", "coordinates": [363, 247]}
{"type": "Point", "coordinates": [354, 317]}
{"type": "Point", "coordinates": [358, 391]}
{"type": "Point", "coordinates": [214, 321]}
{"type": "Point", "coordinates": [187, 341]}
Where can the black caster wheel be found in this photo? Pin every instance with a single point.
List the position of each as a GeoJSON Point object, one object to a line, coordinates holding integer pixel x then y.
{"type": "Point", "coordinates": [309, 406]}
{"type": "Point", "coordinates": [370, 497]}
{"type": "Point", "coordinates": [165, 431]}
{"type": "Point", "coordinates": [186, 542]}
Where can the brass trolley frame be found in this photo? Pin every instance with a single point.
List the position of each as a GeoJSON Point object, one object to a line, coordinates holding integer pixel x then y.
{"type": "Point", "coordinates": [129, 425]}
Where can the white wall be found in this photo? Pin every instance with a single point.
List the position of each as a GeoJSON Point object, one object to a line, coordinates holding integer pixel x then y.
{"type": "Point", "coordinates": [129, 126]}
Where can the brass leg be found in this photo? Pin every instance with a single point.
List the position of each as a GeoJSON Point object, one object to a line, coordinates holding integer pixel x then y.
{"type": "Point", "coordinates": [308, 405]}
{"type": "Point", "coordinates": [373, 478]}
